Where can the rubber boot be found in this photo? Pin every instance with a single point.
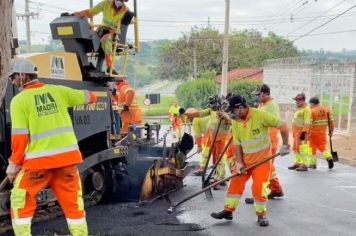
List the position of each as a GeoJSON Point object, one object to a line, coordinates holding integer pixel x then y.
{"type": "Point", "coordinates": [262, 221]}
{"type": "Point", "coordinates": [273, 195]}
{"type": "Point", "coordinates": [330, 163]}
{"type": "Point", "coordinates": [199, 172]}
{"type": "Point", "coordinates": [249, 200]}
{"type": "Point", "coordinates": [227, 215]}
{"type": "Point", "coordinates": [302, 168]}
{"type": "Point", "coordinates": [293, 167]}
{"type": "Point", "coordinates": [312, 166]}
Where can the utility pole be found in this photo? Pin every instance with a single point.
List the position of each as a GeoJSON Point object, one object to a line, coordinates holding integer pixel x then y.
{"type": "Point", "coordinates": [6, 11]}
{"type": "Point", "coordinates": [195, 60]}
{"type": "Point", "coordinates": [27, 20]}
{"type": "Point", "coordinates": [225, 61]}
{"type": "Point", "coordinates": [27, 16]}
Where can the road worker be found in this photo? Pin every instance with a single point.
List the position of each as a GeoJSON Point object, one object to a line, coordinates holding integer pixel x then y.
{"type": "Point", "coordinates": [300, 129]}
{"type": "Point", "coordinates": [45, 151]}
{"type": "Point", "coordinates": [320, 117]}
{"type": "Point", "coordinates": [269, 105]}
{"type": "Point", "coordinates": [250, 129]}
{"type": "Point", "coordinates": [131, 113]}
{"type": "Point", "coordinates": [176, 121]}
{"type": "Point", "coordinates": [115, 12]}
{"type": "Point", "coordinates": [200, 134]}
{"type": "Point", "coordinates": [221, 137]}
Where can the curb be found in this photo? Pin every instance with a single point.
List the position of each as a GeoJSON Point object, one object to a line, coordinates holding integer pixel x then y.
{"type": "Point", "coordinates": [347, 161]}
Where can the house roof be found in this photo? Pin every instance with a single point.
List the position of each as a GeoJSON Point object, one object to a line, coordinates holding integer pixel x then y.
{"type": "Point", "coordinates": [243, 73]}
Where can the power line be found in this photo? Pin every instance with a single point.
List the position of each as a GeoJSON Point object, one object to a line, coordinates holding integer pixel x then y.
{"type": "Point", "coordinates": [315, 18]}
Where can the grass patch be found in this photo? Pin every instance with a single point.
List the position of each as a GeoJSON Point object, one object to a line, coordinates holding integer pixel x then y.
{"type": "Point", "coordinates": [156, 109]}
{"type": "Point", "coordinates": [345, 102]}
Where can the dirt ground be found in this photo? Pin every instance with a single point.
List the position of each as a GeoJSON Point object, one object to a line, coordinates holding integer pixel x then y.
{"type": "Point", "coordinates": [345, 146]}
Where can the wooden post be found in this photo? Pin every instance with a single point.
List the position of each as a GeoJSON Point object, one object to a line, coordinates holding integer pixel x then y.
{"type": "Point", "coordinates": [6, 43]}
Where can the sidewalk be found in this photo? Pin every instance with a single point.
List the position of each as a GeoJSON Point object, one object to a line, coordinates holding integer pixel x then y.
{"type": "Point", "coordinates": [345, 146]}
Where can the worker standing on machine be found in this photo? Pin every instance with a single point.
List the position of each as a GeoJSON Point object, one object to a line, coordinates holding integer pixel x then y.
{"type": "Point", "coordinates": [131, 113]}
{"type": "Point", "coordinates": [114, 14]}
{"type": "Point", "coordinates": [45, 150]}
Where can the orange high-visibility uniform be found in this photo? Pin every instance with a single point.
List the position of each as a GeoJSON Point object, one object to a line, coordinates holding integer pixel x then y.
{"type": "Point", "coordinates": [300, 123]}
{"type": "Point", "coordinates": [317, 131]}
{"type": "Point", "coordinates": [220, 141]}
{"type": "Point", "coordinates": [253, 137]}
{"type": "Point", "coordinates": [127, 97]}
{"type": "Point", "coordinates": [176, 120]}
{"type": "Point", "coordinates": [273, 108]}
{"type": "Point", "coordinates": [45, 146]}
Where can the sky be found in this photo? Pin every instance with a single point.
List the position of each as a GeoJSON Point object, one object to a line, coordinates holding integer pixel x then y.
{"type": "Point", "coordinates": [167, 19]}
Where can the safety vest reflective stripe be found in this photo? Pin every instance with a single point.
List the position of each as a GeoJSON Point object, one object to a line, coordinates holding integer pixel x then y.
{"type": "Point", "coordinates": [316, 122]}
{"type": "Point", "coordinates": [76, 221]}
{"type": "Point", "coordinates": [52, 132]}
{"type": "Point", "coordinates": [19, 131]}
{"type": "Point", "coordinates": [233, 195]}
{"type": "Point", "coordinates": [128, 89]}
{"type": "Point", "coordinates": [255, 150]}
{"type": "Point", "coordinates": [300, 122]}
{"type": "Point", "coordinates": [255, 141]}
{"type": "Point", "coordinates": [87, 96]}
{"type": "Point", "coordinates": [22, 221]}
{"type": "Point", "coordinates": [29, 156]}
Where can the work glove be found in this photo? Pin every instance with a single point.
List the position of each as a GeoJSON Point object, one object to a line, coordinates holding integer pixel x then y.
{"type": "Point", "coordinates": [223, 115]}
{"type": "Point", "coordinates": [303, 135]}
{"type": "Point", "coordinates": [238, 167]}
{"type": "Point", "coordinates": [125, 108]}
{"type": "Point", "coordinates": [284, 150]}
{"type": "Point", "coordinates": [12, 170]}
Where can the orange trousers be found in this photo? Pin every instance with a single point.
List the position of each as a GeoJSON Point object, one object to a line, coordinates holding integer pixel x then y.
{"type": "Point", "coordinates": [275, 185]}
{"type": "Point", "coordinates": [260, 177]}
{"type": "Point", "coordinates": [317, 141]}
{"type": "Point", "coordinates": [65, 185]}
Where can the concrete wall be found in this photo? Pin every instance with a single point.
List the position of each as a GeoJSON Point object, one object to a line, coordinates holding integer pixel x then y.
{"type": "Point", "coordinates": [331, 81]}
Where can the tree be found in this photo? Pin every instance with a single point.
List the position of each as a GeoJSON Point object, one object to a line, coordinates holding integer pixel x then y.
{"type": "Point", "coordinates": [247, 48]}
{"type": "Point", "coordinates": [6, 43]}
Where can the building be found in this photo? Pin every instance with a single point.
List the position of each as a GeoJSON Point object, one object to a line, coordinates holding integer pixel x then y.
{"type": "Point", "coordinates": [243, 73]}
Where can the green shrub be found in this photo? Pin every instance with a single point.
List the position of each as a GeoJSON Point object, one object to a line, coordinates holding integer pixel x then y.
{"type": "Point", "coordinates": [244, 88]}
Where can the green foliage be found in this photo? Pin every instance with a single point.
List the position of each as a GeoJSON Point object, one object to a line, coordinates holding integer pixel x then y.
{"type": "Point", "coordinates": [156, 109]}
{"type": "Point", "coordinates": [244, 88]}
{"type": "Point", "coordinates": [195, 93]}
{"type": "Point", "coordinates": [248, 48]}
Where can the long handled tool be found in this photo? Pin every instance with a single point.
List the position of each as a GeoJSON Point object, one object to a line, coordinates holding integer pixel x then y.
{"type": "Point", "coordinates": [4, 183]}
{"type": "Point", "coordinates": [208, 194]}
{"type": "Point", "coordinates": [206, 183]}
{"type": "Point", "coordinates": [244, 170]}
{"type": "Point", "coordinates": [192, 155]}
{"type": "Point", "coordinates": [333, 154]}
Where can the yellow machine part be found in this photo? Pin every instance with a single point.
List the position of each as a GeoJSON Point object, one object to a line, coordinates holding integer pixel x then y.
{"type": "Point", "coordinates": [57, 65]}
{"type": "Point", "coordinates": [160, 180]}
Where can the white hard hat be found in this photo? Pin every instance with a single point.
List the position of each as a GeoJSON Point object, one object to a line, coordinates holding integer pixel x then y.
{"type": "Point", "coordinates": [22, 66]}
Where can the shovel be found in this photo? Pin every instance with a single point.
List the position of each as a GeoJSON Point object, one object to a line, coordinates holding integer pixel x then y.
{"type": "Point", "coordinates": [4, 183]}
{"type": "Point", "coordinates": [206, 183]}
{"type": "Point", "coordinates": [333, 154]}
{"type": "Point", "coordinates": [204, 190]}
{"type": "Point", "coordinates": [209, 194]}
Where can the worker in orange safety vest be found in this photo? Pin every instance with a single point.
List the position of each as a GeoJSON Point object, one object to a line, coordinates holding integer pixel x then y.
{"type": "Point", "coordinates": [131, 113]}
{"type": "Point", "coordinates": [250, 129]}
{"type": "Point", "coordinates": [300, 129]}
{"type": "Point", "coordinates": [320, 117]}
{"type": "Point", "coordinates": [176, 120]}
{"type": "Point", "coordinates": [45, 150]}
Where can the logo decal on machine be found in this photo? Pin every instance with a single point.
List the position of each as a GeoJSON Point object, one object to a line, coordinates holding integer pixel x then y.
{"type": "Point", "coordinates": [57, 67]}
